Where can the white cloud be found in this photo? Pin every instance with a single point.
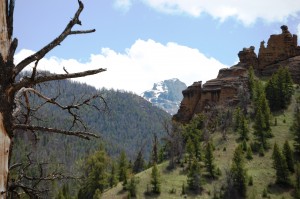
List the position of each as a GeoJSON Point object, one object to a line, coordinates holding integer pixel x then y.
{"type": "Point", "coordinates": [246, 11]}
{"type": "Point", "coordinates": [123, 4]}
{"type": "Point", "coordinates": [141, 65]}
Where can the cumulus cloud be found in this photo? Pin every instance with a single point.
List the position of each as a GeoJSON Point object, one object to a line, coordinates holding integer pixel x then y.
{"type": "Point", "coordinates": [141, 65]}
{"type": "Point", "coordinates": [246, 11]}
{"type": "Point", "coordinates": [122, 4]}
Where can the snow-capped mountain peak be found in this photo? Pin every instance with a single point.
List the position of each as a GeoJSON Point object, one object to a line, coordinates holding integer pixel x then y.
{"type": "Point", "coordinates": [166, 94]}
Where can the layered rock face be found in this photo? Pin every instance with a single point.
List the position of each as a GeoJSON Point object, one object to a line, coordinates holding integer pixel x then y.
{"type": "Point", "coordinates": [220, 91]}
{"type": "Point", "coordinates": [280, 47]}
{"type": "Point", "coordinates": [281, 50]}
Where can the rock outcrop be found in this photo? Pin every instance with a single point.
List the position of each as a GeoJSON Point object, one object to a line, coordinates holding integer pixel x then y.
{"type": "Point", "coordinates": [220, 91]}
{"type": "Point", "coordinates": [280, 47]}
{"type": "Point", "coordinates": [281, 50]}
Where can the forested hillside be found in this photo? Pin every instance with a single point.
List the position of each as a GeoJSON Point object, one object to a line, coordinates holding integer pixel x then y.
{"type": "Point", "coordinates": [231, 154]}
{"type": "Point", "coordinates": [124, 121]}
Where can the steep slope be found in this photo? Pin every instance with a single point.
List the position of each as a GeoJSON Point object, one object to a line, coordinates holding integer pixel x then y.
{"type": "Point", "coordinates": [129, 122]}
{"type": "Point", "coordinates": [166, 94]}
{"type": "Point", "coordinates": [260, 168]}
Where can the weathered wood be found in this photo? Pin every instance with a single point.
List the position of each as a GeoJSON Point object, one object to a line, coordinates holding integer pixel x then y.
{"type": "Point", "coordinates": [4, 36]}
{"type": "Point", "coordinates": [4, 157]}
{"type": "Point", "coordinates": [5, 139]}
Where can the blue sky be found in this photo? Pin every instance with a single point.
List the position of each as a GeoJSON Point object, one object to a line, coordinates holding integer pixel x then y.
{"type": "Point", "coordinates": [141, 42]}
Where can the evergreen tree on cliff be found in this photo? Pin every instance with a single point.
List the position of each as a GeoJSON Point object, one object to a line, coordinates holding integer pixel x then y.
{"type": "Point", "coordinates": [15, 91]}
{"type": "Point", "coordinates": [279, 89]}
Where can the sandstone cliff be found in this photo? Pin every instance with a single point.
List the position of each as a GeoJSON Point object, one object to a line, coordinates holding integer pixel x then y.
{"type": "Point", "coordinates": [281, 50]}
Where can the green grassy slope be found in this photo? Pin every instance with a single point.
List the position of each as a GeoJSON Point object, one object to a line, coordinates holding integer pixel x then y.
{"type": "Point", "coordinates": [260, 168]}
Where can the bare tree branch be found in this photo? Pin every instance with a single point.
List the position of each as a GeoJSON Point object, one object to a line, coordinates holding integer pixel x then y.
{"type": "Point", "coordinates": [41, 53]}
{"type": "Point", "coordinates": [12, 49]}
{"type": "Point", "coordinates": [28, 82]}
{"type": "Point", "coordinates": [76, 32]}
{"type": "Point", "coordinates": [34, 70]}
{"type": "Point", "coordinates": [81, 134]}
{"type": "Point", "coordinates": [24, 176]}
{"type": "Point", "coordinates": [52, 101]}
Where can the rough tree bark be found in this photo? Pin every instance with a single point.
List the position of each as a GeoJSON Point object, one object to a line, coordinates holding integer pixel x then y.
{"type": "Point", "coordinates": [10, 88]}
{"type": "Point", "coordinates": [5, 106]}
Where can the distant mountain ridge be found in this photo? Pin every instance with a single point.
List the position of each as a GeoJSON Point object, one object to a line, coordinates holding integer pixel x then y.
{"type": "Point", "coordinates": [166, 94]}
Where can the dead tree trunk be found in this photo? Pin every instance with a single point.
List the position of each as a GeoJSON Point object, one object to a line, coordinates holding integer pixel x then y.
{"type": "Point", "coordinates": [12, 90]}
{"type": "Point", "coordinates": [6, 102]}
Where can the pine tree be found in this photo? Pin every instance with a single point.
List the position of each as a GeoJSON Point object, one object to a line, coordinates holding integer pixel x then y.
{"type": "Point", "coordinates": [285, 87]}
{"type": "Point", "coordinates": [259, 128]}
{"type": "Point", "coordinates": [194, 180]}
{"type": "Point", "coordinates": [193, 132]}
{"type": "Point", "coordinates": [237, 119]}
{"type": "Point", "coordinates": [262, 126]}
{"type": "Point", "coordinates": [266, 113]}
{"type": "Point", "coordinates": [209, 160]}
{"type": "Point", "coordinates": [161, 154]}
{"type": "Point", "coordinates": [243, 128]}
{"type": "Point", "coordinates": [272, 93]}
{"type": "Point", "coordinates": [96, 168]}
{"type": "Point", "coordinates": [239, 173]}
{"type": "Point", "coordinates": [123, 168]}
{"type": "Point", "coordinates": [295, 128]}
{"type": "Point", "coordinates": [249, 153]}
{"type": "Point", "coordinates": [183, 189]}
{"type": "Point", "coordinates": [155, 149]}
{"type": "Point", "coordinates": [139, 163]}
{"type": "Point", "coordinates": [279, 89]}
{"type": "Point", "coordinates": [113, 181]}
{"type": "Point", "coordinates": [244, 145]}
{"type": "Point", "coordinates": [132, 186]}
{"type": "Point", "coordinates": [64, 193]}
{"type": "Point", "coordinates": [190, 151]}
{"type": "Point", "coordinates": [297, 185]}
{"type": "Point", "coordinates": [280, 165]}
{"type": "Point", "coordinates": [155, 180]}
{"type": "Point", "coordinates": [288, 155]}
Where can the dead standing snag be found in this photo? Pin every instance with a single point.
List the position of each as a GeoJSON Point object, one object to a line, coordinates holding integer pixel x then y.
{"type": "Point", "coordinates": [12, 90]}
